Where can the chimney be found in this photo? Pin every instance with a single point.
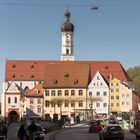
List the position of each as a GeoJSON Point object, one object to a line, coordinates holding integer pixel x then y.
{"type": "Point", "coordinates": [111, 76]}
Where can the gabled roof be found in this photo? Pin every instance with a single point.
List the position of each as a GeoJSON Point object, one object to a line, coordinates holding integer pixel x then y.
{"type": "Point", "coordinates": [102, 78]}
{"type": "Point", "coordinates": [10, 85]}
{"type": "Point", "coordinates": [37, 91]}
{"type": "Point", "coordinates": [34, 70]}
{"type": "Point", "coordinates": [66, 76]}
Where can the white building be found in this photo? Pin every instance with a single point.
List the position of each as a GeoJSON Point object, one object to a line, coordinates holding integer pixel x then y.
{"type": "Point", "coordinates": [35, 102]}
{"type": "Point", "coordinates": [98, 89]}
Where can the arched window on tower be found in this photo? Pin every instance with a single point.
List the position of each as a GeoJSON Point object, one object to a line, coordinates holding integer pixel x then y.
{"type": "Point", "coordinates": [67, 51]}
{"type": "Point", "coordinates": [9, 100]}
{"type": "Point", "coordinates": [15, 99]}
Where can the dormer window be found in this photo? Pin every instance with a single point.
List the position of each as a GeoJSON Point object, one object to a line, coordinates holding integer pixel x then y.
{"type": "Point", "coordinates": [32, 66]}
{"type": "Point", "coordinates": [106, 67]}
{"type": "Point", "coordinates": [75, 82]}
{"type": "Point", "coordinates": [36, 91]}
{"type": "Point", "coordinates": [13, 76]}
{"type": "Point", "coordinates": [66, 75]}
{"type": "Point", "coordinates": [55, 82]}
{"type": "Point", "coordinates": [32, 76]}
{"type": "Point", "coordinates": [13, 66]}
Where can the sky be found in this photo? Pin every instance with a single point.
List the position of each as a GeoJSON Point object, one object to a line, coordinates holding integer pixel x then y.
{"type": "Point", "coordinates": [30, 30]}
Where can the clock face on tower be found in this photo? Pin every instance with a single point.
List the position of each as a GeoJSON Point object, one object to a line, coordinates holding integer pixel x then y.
{"type": "Point", "coordinates": [67, 39]}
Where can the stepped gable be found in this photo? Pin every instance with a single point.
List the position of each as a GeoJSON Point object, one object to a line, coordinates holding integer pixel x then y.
{"type": "Point", "coordinates": [66, 76]}
{"type": "Point", "coordinates": [37, 91]}
{"type": "Point", "coordinates": [34, 70]}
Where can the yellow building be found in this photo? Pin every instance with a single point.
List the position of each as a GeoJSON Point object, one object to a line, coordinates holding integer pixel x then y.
{"type": "Point", "coordinates": [122, 97]}
{"type": "Point", "coordinates": [115, 103]}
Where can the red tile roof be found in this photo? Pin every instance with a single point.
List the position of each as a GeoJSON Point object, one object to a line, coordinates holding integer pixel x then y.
{"type": "Point", "coordinates": [37, 91]}
{"type": "Point", "coordinates": [34, 70]}
{"type": "Point", "coordinates": [66, 75]}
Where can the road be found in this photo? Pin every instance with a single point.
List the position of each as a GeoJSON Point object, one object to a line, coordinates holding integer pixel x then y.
{"type": "Point", "coordinates": [72, 133]}
{"type": "Point", "coordinates": [81, 134]}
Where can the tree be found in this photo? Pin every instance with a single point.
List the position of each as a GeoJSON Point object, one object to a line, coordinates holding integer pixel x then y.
{"type": "Point", "coordinates": [91, 100]}
{"type": "Point", "coordinates": [134, 74]}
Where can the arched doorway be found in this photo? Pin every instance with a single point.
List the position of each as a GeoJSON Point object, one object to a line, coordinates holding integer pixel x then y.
{"type": "Point", "coordinates": [13, 116]}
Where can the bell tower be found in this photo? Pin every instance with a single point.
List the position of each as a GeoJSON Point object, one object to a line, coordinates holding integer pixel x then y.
{"type": "Point", "coordinates": [67, 29]}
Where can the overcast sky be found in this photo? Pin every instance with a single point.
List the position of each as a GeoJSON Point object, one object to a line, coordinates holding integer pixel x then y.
{"type": "Point", "coordinates": [30, 29]}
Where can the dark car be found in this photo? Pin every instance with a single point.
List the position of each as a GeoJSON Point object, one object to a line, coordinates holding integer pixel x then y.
{"type": "Point", "coordinates": [95, 126]}
{"type": "Point", "coordinates": [39, 135]}
{"type": "Point", "coordinates": [111, 132]}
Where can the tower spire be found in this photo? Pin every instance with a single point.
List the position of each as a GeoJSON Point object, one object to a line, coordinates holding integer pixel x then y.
{"type": "Point", "coordinates": [67, 29]}
{"type": "Point", "coordinates": [67, 15]}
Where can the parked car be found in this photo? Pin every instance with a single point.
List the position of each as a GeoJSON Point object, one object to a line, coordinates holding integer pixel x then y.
{"type": "Point", "coordinates": [40, 133]}
{"type": "Point", "coordinates": [111, 132]}
{"type": "Point", "coordinates": [95, 126]}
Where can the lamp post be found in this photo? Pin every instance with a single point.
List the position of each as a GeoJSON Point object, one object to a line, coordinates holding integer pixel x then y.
{"type": "Point", "coordinates": [94, 8]}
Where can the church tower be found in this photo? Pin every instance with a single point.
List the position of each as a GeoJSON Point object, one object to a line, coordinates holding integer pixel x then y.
{"type": "Point", "coordinates": [67, 29]}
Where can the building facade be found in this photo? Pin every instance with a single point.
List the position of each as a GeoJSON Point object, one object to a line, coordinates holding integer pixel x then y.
{"type": "Point", "coordinates": [67, 84]}
{"type": "Point", "coordinates": [98, 90]}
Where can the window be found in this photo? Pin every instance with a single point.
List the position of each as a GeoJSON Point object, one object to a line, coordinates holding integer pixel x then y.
{"type": "Point", "coordinates": [80, 103]}
{"type": "Point", "coordinates": [117, 90]}
{"type": "Point", "coordinates": [112, 90]}
{"type": "Point", "coordinates": [36, 91]}
{"type": "Point", "coordinates": [127, 95]}
{"type": "Point", "coordinates": [66, 93]}
{"type": "Point", "coordinates": [117, 84]}
{"type": "Point", "coordinates": [90, 93]}
{"type": "Point", "coordinates": [47, 92]}
{"type": "Point", "coordinates": [47, 104]}
{"type": "Point", "coordinates": [39, 101]}
{"type": "Point", "coordinates": [73, 104]}
{"type": "Point", "coordinates": [9, 100]}
{"type": "Point", "coordinates": [66, 104]}
{"type": "Point", "coordinates": [127, 103]}
{"type": "Point", "coordinates": [112, 104]}
{"type": "Point", "coordinates": [101, 84]}
{"type": "Point", "coordinates": [15, 99]}
{"type": "Point", "coordinates": [117, 104]}
{"type": "Point", "coordinates": [117, 97]}
{"type": "Point", "coordinates": [67, 51]}
{"type": "Point", "coordinates": [104, 93]}
{"type": "Point", "coordinates": [112, 97]}
{"type": "Point", "coordinates": [31, 108]}
{"type": "Point", "coordinates": [98, 93]}
{"type": "Point", "coordinates": [39, 109]}
{"type": "Point", "coordinates": [59, 104]}
{"type": "Point", "coordinates": [59, 93]}
{"type": "Point", "coordinates": [31, 101]}
{"type": "Point", "coordinates": [123, 103]}
{"type": "Point", "coordinates": [53, 93]}
{"type": "Point", "coordinates": [97, 104]}
{"type": "Point", "coordinates": [52, 104]}
{"type": "Point", "coordinates": [104, 104]}
{"type": "Point", "coordinates": [80, 92]}
{"type": "Point", "coordinates": [123, 95]}
{"type": "Point", "coordinates": [73, 93]}
{"type": "Point", "coordinates": [94, 84]}
{"type": "Point", "coordinates": [98, 78]}
{"type": "Point", "coordinates": [111, 84]}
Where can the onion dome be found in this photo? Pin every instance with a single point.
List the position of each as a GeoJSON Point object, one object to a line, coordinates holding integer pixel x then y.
{"type": "Point", "coordinates": [67, 26]}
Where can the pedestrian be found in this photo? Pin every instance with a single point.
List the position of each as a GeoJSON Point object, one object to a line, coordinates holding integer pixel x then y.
{"type": "Point", "coordinates": [4, 129]}
{"type": "Point", "coordinates": [32, 130]}
{"type": "Point", "coordinates": [21, 133]}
